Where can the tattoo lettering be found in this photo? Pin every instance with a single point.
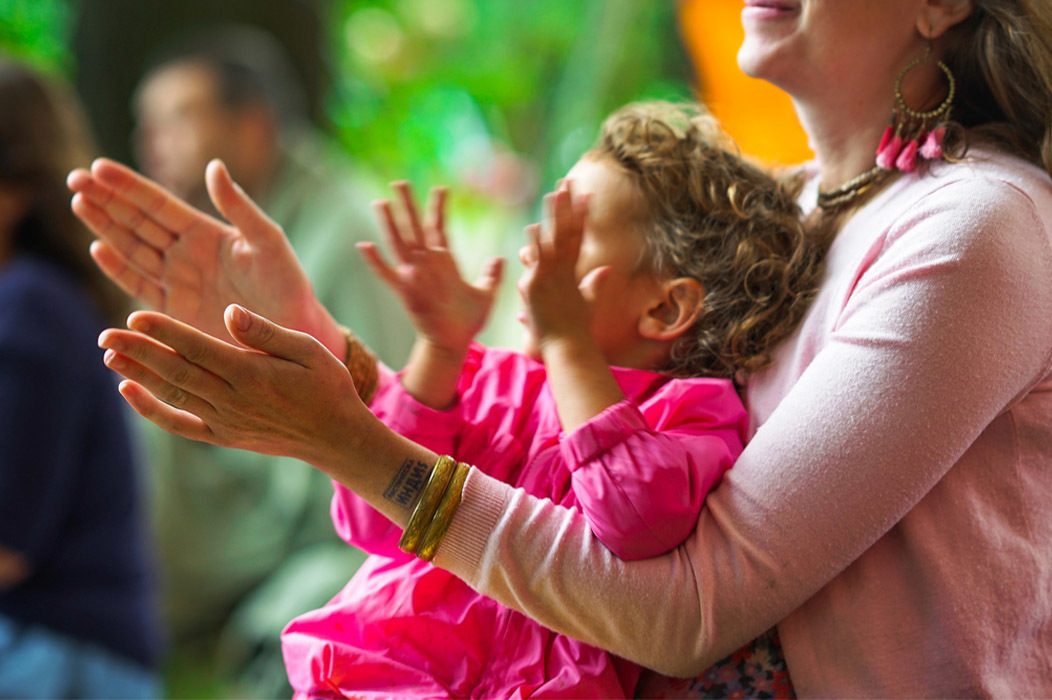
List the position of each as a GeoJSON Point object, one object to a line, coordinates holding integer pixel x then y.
{"type": "Point", "coordinates": [408, 483]}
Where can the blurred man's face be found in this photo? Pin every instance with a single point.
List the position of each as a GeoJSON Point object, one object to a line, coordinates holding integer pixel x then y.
{"type": "Point", "coordinates": [181, 125]}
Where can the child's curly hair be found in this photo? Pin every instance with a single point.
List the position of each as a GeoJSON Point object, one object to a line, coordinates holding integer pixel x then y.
{"type": "Point", "coordinates": [728, 224]}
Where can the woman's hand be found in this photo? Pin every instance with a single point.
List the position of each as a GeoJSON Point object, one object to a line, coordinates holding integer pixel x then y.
{"type": "Point", "coordinates": [446, 309]}
{"type": "Point", "coordinates": [282, 394]}
{"type": "Point", "coordinates": [180, 261]}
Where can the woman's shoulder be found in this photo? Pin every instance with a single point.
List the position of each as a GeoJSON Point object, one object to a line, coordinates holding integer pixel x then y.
{"type": "Point", "coordinates": [987, 197]}
{"type": "Point", "coordinates": [982, 179]}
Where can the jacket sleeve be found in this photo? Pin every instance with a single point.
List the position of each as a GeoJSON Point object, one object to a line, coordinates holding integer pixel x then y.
{"type": "Point", "coordinates": [959, 297]}
{"type": "Point", "coordinates": [640, 485]}
{"type": "Point", "coordinates": [444, 432]}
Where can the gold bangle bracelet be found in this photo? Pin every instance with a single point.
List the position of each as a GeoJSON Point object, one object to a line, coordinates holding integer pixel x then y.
{"type": "Point", "coordinates": [362, 364]}
{"type": "Point", "coordinates": [436, 531]}
{"type": "Point", "coordinates": [429, 500]}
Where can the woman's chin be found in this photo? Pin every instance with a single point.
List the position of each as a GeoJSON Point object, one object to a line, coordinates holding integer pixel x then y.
{"type": "Point", "coordinates": [756, 58]}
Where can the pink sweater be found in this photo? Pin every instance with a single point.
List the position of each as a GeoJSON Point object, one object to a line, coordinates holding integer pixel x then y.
{"type": "Point", "coordinates": [893, 510]}
{"type": "Point", "coordinates": [637, 473]}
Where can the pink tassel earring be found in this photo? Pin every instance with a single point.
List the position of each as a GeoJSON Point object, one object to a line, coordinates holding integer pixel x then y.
{"type": "Point", "coordinates": [912, 138]}
{"type": "Point", "coordinates": [914, 135]}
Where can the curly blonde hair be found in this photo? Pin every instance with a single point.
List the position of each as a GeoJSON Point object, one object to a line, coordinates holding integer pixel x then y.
{"type": "Point", "coordinates": [715, 218]}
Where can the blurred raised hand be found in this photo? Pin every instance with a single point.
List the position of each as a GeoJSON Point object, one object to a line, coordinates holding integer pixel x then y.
{"type": "Point", "coordinates": [447, 310]}
{"type": "Point", "coordinates": [178, 260]}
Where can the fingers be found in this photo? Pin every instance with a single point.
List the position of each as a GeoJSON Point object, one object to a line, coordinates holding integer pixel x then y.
{"type": "Point", "coordinates": [567, 232]}
{"type": "Point", "coordinates": [164, 416]}
{"type": "Point", "coordinates": [405, 193]}
{"type": "Point", "coordinates": [132, 247]}
{"type": "Point", "coordinates": [371, 254]}
{"type": "Point", "coordinates": [254, 331]}
{"type": "Point", "coordinates": [236, 206]}
{"type": "Point", "coordinates": [392, 233]}
{"type": "Point", "coordinates": [429, 234]}
{"type": "Point", "coordinates": [528, 254]}
{"type": "Point", "coordinates": [435, 230]}
{"type": "Point", "coordinates": [165, 373]}
{"type": "Point", "coordinates": [129, 279]}
{"type": "Point", "coordinates": [179, 353]}
{"type": "Point", "coordinates": [167, 210]}
{"type": "Point", "coordinates": [91, 191]}
{"type": "Point", "coordinates": [593, 279]}
{"type": "Point", "coordinates": [490, 277]}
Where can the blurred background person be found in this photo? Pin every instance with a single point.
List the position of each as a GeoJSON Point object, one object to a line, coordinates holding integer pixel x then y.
{"type": "Point", "coordinates": [245, 540]}
{"type": "Point", "coordinates": [77, 610]}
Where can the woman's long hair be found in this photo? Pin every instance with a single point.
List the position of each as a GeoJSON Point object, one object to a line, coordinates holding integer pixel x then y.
{"type": "Point", "coordinates": [1002, 58]}
{"type": "Point", "coordinates": [42, 137]}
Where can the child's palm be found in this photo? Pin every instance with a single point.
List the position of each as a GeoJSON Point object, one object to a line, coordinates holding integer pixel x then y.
{"type": "Point", "coordinates": [445, 308]}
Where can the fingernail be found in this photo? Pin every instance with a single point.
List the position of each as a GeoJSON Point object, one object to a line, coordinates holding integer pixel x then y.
{"type": "Point", "coordinates": [112, 360]}
{"type": "Point", "coordinates": [241, 318]}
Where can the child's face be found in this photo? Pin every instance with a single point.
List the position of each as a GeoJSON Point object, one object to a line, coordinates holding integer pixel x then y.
{"type": "Point", "coordinates": [612, 238]}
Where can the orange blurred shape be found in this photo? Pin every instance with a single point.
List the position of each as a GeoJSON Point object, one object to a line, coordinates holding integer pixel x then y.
{"type": "Point", "coordinates": [756, 114]}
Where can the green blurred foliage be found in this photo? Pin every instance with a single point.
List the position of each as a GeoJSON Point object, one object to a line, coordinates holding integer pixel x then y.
{"type": "Point", "coordinates": [451, 89]}
{"type": "Point", "coordinates": [36, 31]}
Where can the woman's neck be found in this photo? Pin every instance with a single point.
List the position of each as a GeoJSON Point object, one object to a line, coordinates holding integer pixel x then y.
{"type": "Point", "coordinates": [844, 127]}
{"type": "Point", "coordinates": [844, 137]}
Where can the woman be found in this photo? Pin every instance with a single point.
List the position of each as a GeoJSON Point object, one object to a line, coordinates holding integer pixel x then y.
{"type": "Point", "coordinates": [892, 512]}
{"type": "Point", "coordinates": [76, 610]}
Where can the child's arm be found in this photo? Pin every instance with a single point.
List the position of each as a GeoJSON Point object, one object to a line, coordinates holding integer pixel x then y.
{"type": "Point", "coordinates": [641, 473]}
{"type": "Point", "coordinates": [446, 310]}
{"type": "Point", "coordinates": [578, 374]}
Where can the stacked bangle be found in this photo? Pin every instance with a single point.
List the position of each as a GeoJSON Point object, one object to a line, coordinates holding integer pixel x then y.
{"type": "Point", "coordinates": [361, 363]}
{"type": "Point", "coordinates": [436, 531]}
{"type": "Point", "coordinates": [427, 504]}
{"type": "Point", "coordinates": [434, 511]}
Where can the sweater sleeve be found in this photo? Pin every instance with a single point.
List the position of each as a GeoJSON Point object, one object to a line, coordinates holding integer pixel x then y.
{"type": "Point", "coordinates": [640, 484]}
{"type": "Point", "coordinates": [943, 330]}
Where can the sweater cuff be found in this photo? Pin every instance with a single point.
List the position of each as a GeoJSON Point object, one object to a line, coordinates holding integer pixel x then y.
{"type": "Point", "coordinates": [607, 430]}
{"type": "Point", "coordinates": [481, 507]}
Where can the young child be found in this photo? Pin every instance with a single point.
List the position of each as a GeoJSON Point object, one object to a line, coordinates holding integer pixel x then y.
{"type": "Point", "coordinates": [668, 270]}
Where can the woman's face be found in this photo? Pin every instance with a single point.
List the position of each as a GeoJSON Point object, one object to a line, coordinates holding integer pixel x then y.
{"type": "Point", "coordinates": [810, 46]}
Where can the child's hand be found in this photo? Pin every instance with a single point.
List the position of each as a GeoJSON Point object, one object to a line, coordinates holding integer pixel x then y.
{"type": "Point", "coordinates": [556, 302]}
{"type": "Point", "coordinates": [446, 310]}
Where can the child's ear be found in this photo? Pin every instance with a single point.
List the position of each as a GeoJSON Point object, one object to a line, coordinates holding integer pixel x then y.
{"type": "Point", "coordinates": [676, 309]}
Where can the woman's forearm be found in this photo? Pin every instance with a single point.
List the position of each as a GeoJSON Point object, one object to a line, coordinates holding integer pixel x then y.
{"type": "Point", "coordinates": [383, 468]}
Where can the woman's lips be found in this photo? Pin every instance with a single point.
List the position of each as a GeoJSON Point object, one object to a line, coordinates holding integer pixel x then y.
{"type": "Point", "coordinates": [768, 9]}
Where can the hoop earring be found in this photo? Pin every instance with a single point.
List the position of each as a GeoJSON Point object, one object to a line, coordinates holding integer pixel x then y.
{"type": "Point", "coordinates": [914, 134]}
{"type": "Point", "coordinates": [911, 135]}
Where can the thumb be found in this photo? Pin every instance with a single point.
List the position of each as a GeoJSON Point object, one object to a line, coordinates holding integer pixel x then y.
{"type": "Point", "coordinates": [258, 333]}
{"type": "Point", "coordinates": [492, 272]}
{"type": "Point", "coordinates": [594, 279]}
{"type": "Point", "coordinates": [236, 206]}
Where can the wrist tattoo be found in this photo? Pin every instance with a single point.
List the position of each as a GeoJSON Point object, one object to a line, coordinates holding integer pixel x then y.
{"type": "Point", "coordinates": [407, 484]}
